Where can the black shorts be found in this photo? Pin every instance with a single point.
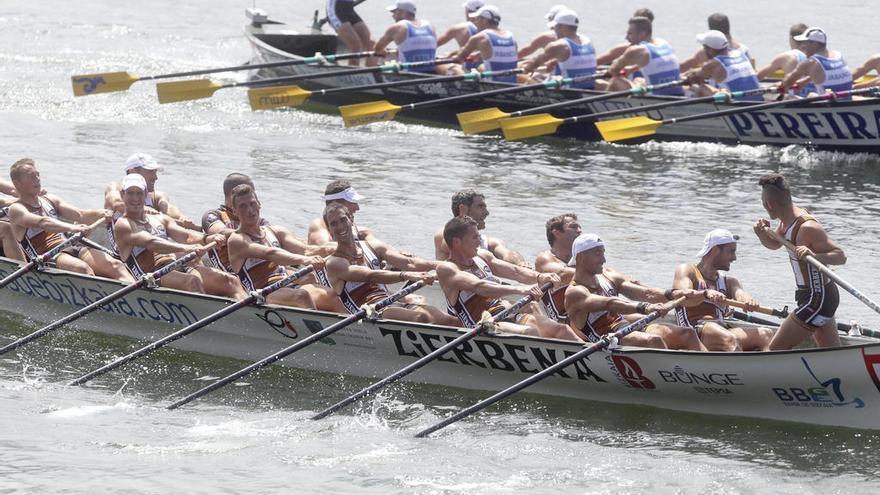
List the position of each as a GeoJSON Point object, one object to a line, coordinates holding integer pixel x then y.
{"type": "Point", "coordinates": [817, 307]}
{"type": "Point", "coordinates": [341, 11]}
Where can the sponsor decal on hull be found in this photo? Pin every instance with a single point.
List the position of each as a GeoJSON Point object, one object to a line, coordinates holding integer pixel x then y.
{"type": "Point", "coordinates": [711, 383]}
{"type": "Point", "coordinates": [872, 363]}
{"type": "Point", "coordinates": [629, 373]}
{"type": "Point", "coordinates": [828, 393]}
{"type": "Point", "coordinates": [808, 125]}
{"type": "Point", "coordinates": [279, 323]}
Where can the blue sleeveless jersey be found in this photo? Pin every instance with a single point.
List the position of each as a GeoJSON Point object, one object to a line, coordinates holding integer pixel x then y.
{"type": "Point", "coordinates": [662, 67]}
{"type": "Point", "coordinates": [503, 56]}
{"type": "Point", "coordinates": [420, 45]}
{"type": "Point", "coordinates": [581, 62]}
{"type": "Point", "coordinates": [837, 75]}
{"type": "Point", "coordinates": [741, 76]}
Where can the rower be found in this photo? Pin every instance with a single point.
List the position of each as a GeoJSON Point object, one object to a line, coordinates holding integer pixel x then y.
{"type": "Point", "coordinates": [825, 68]}
{"type": "Point", "coordinates": [595, 306]}
{"type": "Point", "coordinates": [38, 222]}
{"type": "Point", "coordinates": [617, 50]}
{"type": "Point", "coordinates": [222, 220]}
{"type": "Point", "coordinates": [415, 38]}
{"type": "Point", "coordinates": [717, 22]}
{"type": "Point", "coordinates": [817, 296]}
{"type": "Point", "coordinates": [471, 203]}
{"type": "Point", "coordinates": [148, 241]}
{"type": "Point", "coordinates": [8, 247]}
{"type": "Point", "coordinates": [355, 273]}
{"type": "Point", "coordinates": [540, 41]}
{"type": "Point", "coordinates": [872, 64]}
{"type": "Point", "coordinates": [727, 69]}
{"type": "Point", "coordinates": [654, 57]}
{"type": "Point", "coordinates": [337, 192]}
{"type": "Point", "coordinates": [562, 230]}
{"type": "Point", "coordinates": [351, 30]}
{"type": "Point", "coordinates": [788, 60]}
{"type": "Point", "coordinates": [496, 47]}
{"type": "Point", "coordinates": [708, 317]}
{"type": "Point", "coordinates": [258, 254]}
{"type": "Point", "coordinates": [471, 289]}
{"type": "Point", "coordinates": [463, 31]}
{"type": "Point", "coordinates": [572, 54]}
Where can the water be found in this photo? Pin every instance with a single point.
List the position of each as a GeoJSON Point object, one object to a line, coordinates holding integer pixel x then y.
{"type": "Point", "coordinates": [652, 204]}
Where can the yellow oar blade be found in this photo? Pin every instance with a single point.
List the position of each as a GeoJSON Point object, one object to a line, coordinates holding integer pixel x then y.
{"type": "Point", "coordinates": [530, 126]}
{"type": "Point", "coordinates": [107, 82]}
{"type": "Point", "coordinates": [367, 113]}
{"type": "Point", "coordinates": [483, 120]}
{"type": "Point", "coordinates": [277, 97]}
{"type": "Point", "coordinates": [623, 129]}
{"type": "Point", "coordinates": [169, 92]}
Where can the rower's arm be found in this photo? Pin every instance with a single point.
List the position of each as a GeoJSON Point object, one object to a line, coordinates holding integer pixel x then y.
{"type": "Point", "coordinates": [778, 63]}
{"type": "Point", "coordinates": [453, 279]}
{"type": "Point", "coordinates": [182, 234]}
{"type": "Point", "coordinates": [761, 227]}
{"type": "Point", "coordinates": [502, 252]}
{"type": "Point", "coordinates": [453, 33]}
{"type": "Point", "coordinates": [612, 54]}
{"type": "Point", "coordinates": [813, 236]}
{"type": "Point", "coordinates": [553, 52]}
{"type": "Point", "coordinates": [472, 45]}
{"type": "Point", "coordinates": [386, 39]}
{"type": "Point", "coordinates": [125, 237]}
{"type": "Point", "coordinates": [536, 44]}
{"type": "Point", "coordinates": [92, 216]}
{"type": "Point", "coordinates": [112, 198]}
{"type": "Point", "coordinates": [547, 263]}
{"type": "Point", "coordinates": [21, 217]}
{"type": "Point", "coordinates": [801, 71]}
{"type": "Point", "coordinates": [294, 244]}
{"type": "Point", "coordinates": [318, 233]}
{"type": "Point", "coordinates": [441, 251]}
{"type": "Point", "coordinates": [8, 189]}
{"type": "Point", "coordinates": [399, 260]}
{"type": "Point", "coordinates": [696, 60]}
{"type": "Point", "coordinates": [873, 63]}
{"type": "Point", "coordinates": [634, 55]}
{"type": "Point", "coordinates": [683, 281]}
{"type": "Point", "coordinates": [341, 270]}
{"type": "Point", "coordinates": [522, 274]}
{"type": "Point", "coordinates": [174, 212]}
{"type": "Point", "coordinates": [582, 301]}
{"type": "Point", "coordinates": [242, 248]}
{"type": "Point", "coordinates": [737, 293]}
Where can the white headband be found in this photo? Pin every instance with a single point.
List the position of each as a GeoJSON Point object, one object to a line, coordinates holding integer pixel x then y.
{"type": "Point", "coordinates": [348, 194]}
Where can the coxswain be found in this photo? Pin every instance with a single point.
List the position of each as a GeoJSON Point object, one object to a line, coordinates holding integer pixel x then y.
{"type": "Point", "coordinates": [350, 28]}
{"type": "Point", "coordinates": [357, 278]}
{"type": "Point", "coordinates": [562, 230]}
{"type": "Point", "coordinates": [572, 54]}
{"type": "Point", "coordinates": [149, 240]}
{"type": "Point", "coordinates": [617, 50]}
{"type": "Point", "coordinates": [463, 31]}
{"type": "Point", "coordinates": [39, 221]}
{"type": "Point", "coordinates": [717, 22]}
{"type": "Point", "coordinates": [222, 220]}
{"type": "Point", "coordinates": [472, 291]}
{"type": "Point", "coordinates": [8, 247]}
{"type": "Point", "coordinates": [787, 61]}
{"type": "Point", "coordinates": [543, 39]}
{"type": "Point", "coordinates": [708, 317]}
{"type": "Point", "coordinates": [725, 68]}
{"type": "Point", "coordinates": [824, 68]}
{"type": "Point", "coordinates": [415, 38]}
{"type": "Point", "coordinates": [259, 254]}
{"type": "Point", "coordinates": [654, 58]}
{"type": "Point", "coordinates": [817, 296]}
{"type": "Point", "coordinates": [595, 306]}
{"type": "Point", "coordinates": [496, 47]}
{"type": "Point", "coordinates": [471, 203]}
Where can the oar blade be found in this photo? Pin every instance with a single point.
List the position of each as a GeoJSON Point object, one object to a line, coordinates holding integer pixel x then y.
{"type": "Point", "coordinates": [367, 113]}
{"type": "Point", "coordinates": [277, 97]}
{"type": "Point", "coordinates": [624, 129]}
{"type": "Point", "coordinates": [529, 126]}
{"type": "Point", "coordinates": [483, 120]}
{"type": "Point", "coordinates": [196, 89]}
{"type": "Point", "coordinates": [107, 82]}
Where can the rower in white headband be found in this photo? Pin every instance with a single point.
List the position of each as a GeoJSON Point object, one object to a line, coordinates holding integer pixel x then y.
{"type": "Point", "coordinates": [348, 194]}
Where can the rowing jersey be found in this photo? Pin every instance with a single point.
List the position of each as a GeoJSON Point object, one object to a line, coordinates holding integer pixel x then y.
{"type": "Point", "coordinates": [817, 298]}
{"type": "Point", "coordinates": [662, 67]}
{"type": "Point", "coordinates": [356, 294]}
{"type": "Point", "coordinates": [111, 236]}
{"type": "Point", "coordinates": [503, 57]}
{"type": "Point", "coordinates": [469, 307]}
{"type": "Point", "coordinates": [554, 303]}
{"type": "Point", "coordinates": [688, 317]}
{"type": "Point", "coordinates": [580, 62]}
{"type": "Point", "coordinates": [806, 276]}
{"type": "Point", "coordinates": [472, 63]}
{"type": "Point", "coordinates": [809, 87]}
{"type": "Point", "coordinates": [142, 261]}
{"type": "Point", "coordinates": [739, 75]}
{"type": "Point", "coordinates": [256, 273]}
{"type": "Point", "coordinates": [599, 323]}
{"type": "Point", "coordinates": [420, 45]}
{"type": "Point", "coordinates": [837, 75]}
{"type": "Point", "coordinates": [37, 241]}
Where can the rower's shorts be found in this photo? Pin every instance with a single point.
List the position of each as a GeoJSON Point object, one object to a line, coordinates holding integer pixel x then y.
{"type": "Point", "coordinates": [817, 307]}
{"type": "Point", "coordinates": [341, 11]}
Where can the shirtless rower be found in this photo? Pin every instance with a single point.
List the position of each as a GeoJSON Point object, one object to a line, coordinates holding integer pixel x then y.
{"type": "Point", "coordinates": [496, 47]}
{"type": "Point", "coordinates": [414, 38]}
{"type": "Point", "coordinates": [258, 254]}
{"type": "Point", "coordinates": [710, 273]}
{"type": "Point", "coordinates": [653, 56]}
{"type": "Point", "coordinates": [544, 38]}
{"type": "Point", "coordinates": [562, 230]}
{"type": "Point", "coordinates": [222, 220]}
{"type": "Point", "coordinates": [8, 247]}
{"type": "Point", "coordinates": [595, 306]}
{"type": "Point", "coordinates": [817, 296]}
{"type": "Point", "coordinates": [825, 68]}
{"type": "Point", "coordinates": [572, 54]}
{"type": "Point", "coordinates": [38, 222]}
{"type": "Point", "coordinates": [147, 241]}
{"type": "Point", "coordinates": [462, 31]}
{"type": "Point", "coordinates": [717, 22]}
{"type": "Point", "coordinates": [617, 50]}
{"type": "Point", "coordinates": [349, 27]}
{"type": "Point", "coordinates": [726, 69]}
{"type": "Point", "coordinates": [471, 203]}
{"type": "Point", "coordinates": [788, 60]}
{"type": "Point", "coordinates": [356, 276]}
{"type": "Point", "coordinates": [469, 284]}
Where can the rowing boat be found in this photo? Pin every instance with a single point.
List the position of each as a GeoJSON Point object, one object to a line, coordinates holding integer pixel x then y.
{"type": "Point", "coordinates": [834, 126]}
{"type": "Point", "coordinates": [839, 386]}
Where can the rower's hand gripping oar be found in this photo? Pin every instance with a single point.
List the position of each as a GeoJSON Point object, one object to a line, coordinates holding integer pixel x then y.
{"type": "Point", "coordinates": [470, 334]}
{"type": "Point", "coordinates": [779, 313]}
{"type": "Point", "coordinates": [44, 258]}
{"type": "Point", "coordinates": [266, 361]}
{"type": "Point", "coordinates": [144, 281]}
{"type": "Point", "coordinates": [109, 82]}
{"type": "Point", "coordinates": [606, 341]}
{"type": "Point", "coordinates": [255, 297]}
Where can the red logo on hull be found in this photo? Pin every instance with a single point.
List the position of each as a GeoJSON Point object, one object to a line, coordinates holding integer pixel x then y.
{"type": "Point", "coordinates": [872, 362]}
{"type": "Point", "coordinates": [630, 370]}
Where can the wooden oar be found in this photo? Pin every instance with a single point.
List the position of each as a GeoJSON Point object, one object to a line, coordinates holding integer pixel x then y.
{"type": "Point", "coordinates": [543, 124]}
{"type": "Point", "coordinates": [109, 82]}
{"type": "Point", "coordinates": [140, 283]}
{"type": "Point", "coordinates": [266, 361]}
{"type": "Point", "coordinates": [827, 271]}
{"type": "Point", "coordinates": [635, 127]}
{"type": "Point", "coordinates": [255, 297]}
{"type": "Point", "coordinates": [779, 313]}
{"type": "Point", "coordinates": [85, 241]}
{"type": "Point", "coordinates": [292, 96]}
{"type": "Point", "coordinates": [488, 119]}
{"type": "Point", "coordinates": [470, 334]}
{"type": "Point", "coordinates": [45, 257]}
{"type": "Point", "coordinates": [603, 343]}
{"type": "Point", "coordinates": [195, 89]}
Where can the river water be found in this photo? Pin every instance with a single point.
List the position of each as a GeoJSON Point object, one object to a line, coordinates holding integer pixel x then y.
{"type": "Point", "coordinates": [652, 204]}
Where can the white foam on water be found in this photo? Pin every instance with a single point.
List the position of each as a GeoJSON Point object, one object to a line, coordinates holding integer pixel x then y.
{"type": "Point", "coordinates": [86, 411]}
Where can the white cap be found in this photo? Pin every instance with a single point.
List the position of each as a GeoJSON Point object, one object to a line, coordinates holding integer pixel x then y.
{"type": "Point", "coordinates": [713, 39]}
{"type": "Point", "coordinates": [404, 5]}
{"type": "Point", "coordinates": [551, 14]}
{"type": "Point", "coordinates": [812, 34]}
{"type": "Point", "coordinates": [717, 237]}
{"type": "Point", "coordinates": [473, 5]}
{"type": "Point", "coordinates": [141, 160]}
{"type": "Point", "coordinates": [348, 194]}
{"type": "Point", "coordinates": [584, 242]}
{"type": "Point", "coordinates": [564, 17]}
{"type": "Point", "coordinates": [490, 12]}
{"type": "Point", "coordinates": [134, 180]}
